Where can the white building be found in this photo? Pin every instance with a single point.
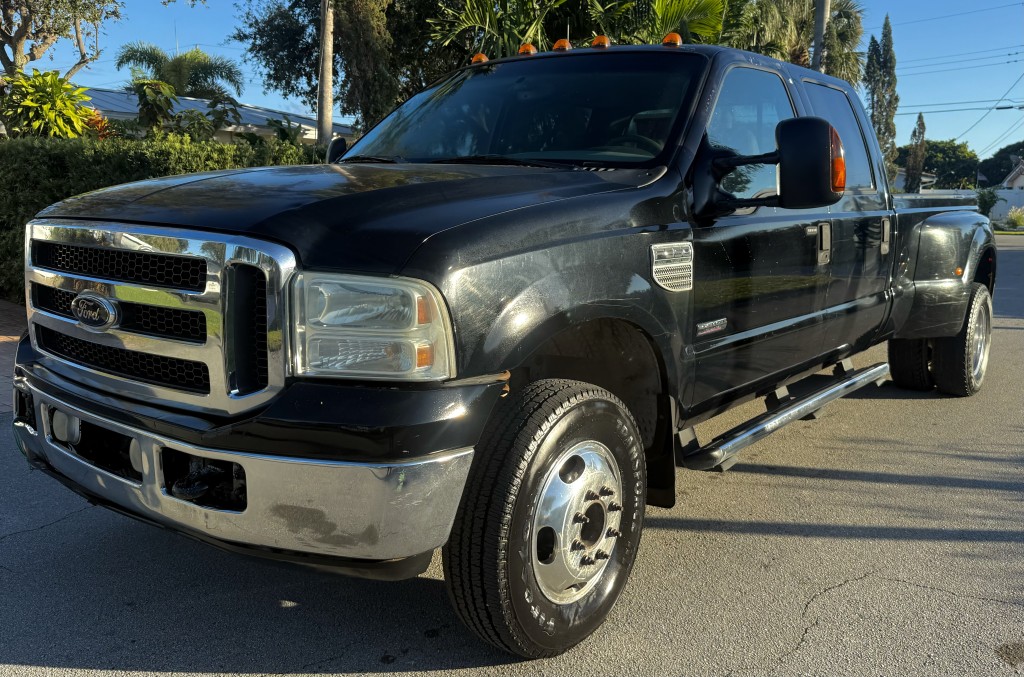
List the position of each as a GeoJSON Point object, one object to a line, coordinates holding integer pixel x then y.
{"type": "Point", "coordinates": [1015, 179]}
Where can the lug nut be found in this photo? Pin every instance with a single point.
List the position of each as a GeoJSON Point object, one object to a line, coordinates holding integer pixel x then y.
{"type": "Point", "coordinates": [607, 491]}
{"type": "Point", "coordinates": [614, 507]}
{"type": "Point", "coordinates": [577, 546]}
{"type": "Point", "coordinates": [587, 561]}
{"type": "Point", "coordinates": [601, 554]}
{"type": "Point", "coordinates": [613, 533]}
{"type": "Point", "coordinates": [591, 495]}
{"type": "Point", "coordinates": [580, 518]}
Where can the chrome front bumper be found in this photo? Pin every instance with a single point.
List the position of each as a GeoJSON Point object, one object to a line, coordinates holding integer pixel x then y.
{"type": "Point", "coordinates": [325, 508]}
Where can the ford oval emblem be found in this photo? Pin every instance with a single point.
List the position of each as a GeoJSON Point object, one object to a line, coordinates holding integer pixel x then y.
{"type": "Point", "coordinates": [94, 312]}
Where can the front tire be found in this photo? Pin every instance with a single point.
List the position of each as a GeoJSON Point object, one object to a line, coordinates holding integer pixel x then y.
{"type": "Point", "coordinates": [959, 362]}
{"type": "Point", "coordinates": [550, 520]}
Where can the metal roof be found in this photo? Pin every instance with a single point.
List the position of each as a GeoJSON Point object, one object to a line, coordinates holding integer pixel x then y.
{"type": "Point", "coordinates": [119, 104]}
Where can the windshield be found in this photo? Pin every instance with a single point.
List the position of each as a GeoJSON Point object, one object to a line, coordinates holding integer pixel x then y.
{"type": "Point", "coordinates": [611, 108]}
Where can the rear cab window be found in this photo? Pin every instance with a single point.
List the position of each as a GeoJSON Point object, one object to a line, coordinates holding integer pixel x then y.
{"type": "Point", "coordinates": [835, 106]}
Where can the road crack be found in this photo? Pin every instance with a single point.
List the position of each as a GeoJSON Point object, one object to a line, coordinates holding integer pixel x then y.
{"type": "Point", "coordinates": [43, 526]}
{"type": "Point", "coordinates": [809, 627]}
{"type": "Point", "coordinates": [954, 593]}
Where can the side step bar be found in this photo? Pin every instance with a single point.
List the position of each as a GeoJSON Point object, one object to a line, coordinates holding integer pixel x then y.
{"type": "Point", "coordinates": [721, 452]}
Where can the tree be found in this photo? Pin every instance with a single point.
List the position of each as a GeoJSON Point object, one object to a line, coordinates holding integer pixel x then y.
{"type": "Point", "coordinates": [784, 29]}
{"type": "Point", "coordinates": [821, 12]}
{"type": "Point", "coordinates": [954, 164]}
{"type": "Point", "coordinates": [987, 200]}
{"type": "Point", "coordinates": [495, 28]}
{"type": "Point", "coordinates": [28, 28]}
{"type": "Point", "coordinates": [1002, 162]}
{"type": "Point", "coordinates": [193, 73]}
{"type": "Point", "coordinates": [880, 82]}
{"type": "Point", "coordinates": [915, 158]}
{"type": "Point", "coordinates": [372, 71]}
{"type": "Point", "coordinates": [645, 23]}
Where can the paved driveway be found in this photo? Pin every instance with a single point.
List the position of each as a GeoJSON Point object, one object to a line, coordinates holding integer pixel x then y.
{"type": "Point", "coordinates": [883, 539]}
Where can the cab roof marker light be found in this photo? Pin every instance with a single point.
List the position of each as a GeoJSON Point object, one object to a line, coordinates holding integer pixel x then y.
{"type": "Point", "coordinates": [526, 49]}
{"type": "Point", "coordinates": [601, 42]}
{"type": "Point", "coordinates": [479, 57]}
{"type": "Point", "coordinates": [672, 40]}
{"type": "Point", "coordinates": [562, 45]}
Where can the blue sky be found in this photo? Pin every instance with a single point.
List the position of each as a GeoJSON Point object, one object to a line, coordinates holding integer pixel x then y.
{"type": "Point", "coordinates": [948, 52]}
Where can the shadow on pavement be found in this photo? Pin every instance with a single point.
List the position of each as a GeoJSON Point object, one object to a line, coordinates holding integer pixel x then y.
{"type": "Point", "coordinates": [98, 591]}
{"type": "Point", "coordinates": [880, 477]}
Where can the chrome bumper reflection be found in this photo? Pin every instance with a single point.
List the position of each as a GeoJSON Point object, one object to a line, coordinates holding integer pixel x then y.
{"type": "Point", "coordinates": [333, 508]}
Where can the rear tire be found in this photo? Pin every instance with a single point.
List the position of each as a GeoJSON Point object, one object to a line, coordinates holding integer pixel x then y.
{"type": "Point", "coordinates": [550, 520]}
{"type": "Point", "coordinates": [909, 364]}
{"type": "Point", "coordinates": [959, 362]}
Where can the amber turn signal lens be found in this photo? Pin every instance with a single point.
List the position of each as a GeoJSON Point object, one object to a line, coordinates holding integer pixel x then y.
{"type": "Point", "coordinates": [838, 163]}
{"type": "Point", "coordinates": [672, 40]}
{"type": "Point", "coordinates": [562, 45]}
{"type": "Point", "coordinates": [601, 42]}
{"type": "Point", "coordinates": [424, 356]}
{"type": "Point", "coordinates": [527, 50]}
{"type": "Point", "coordinates": [958, 272]}
{"type": "Point", "coordinates": [422, 311]}
{"type": "Point", "coordinates": [479, 57]}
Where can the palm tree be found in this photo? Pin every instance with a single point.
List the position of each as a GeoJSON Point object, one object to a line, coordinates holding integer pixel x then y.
{"type": "Point", "coordinates": [784, 29]}
{"type": "Point", "coordinates": [192, 73]}
{"type": "Point", "coordinates": [495, 28]}
{"type": "Point", "coordinates": [644, 23]}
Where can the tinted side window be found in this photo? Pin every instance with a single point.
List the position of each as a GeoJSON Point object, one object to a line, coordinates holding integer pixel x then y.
{"type": "Point", "coordinates": [833, 105]}
{"type": "Point", "coordinates": [750, 105]}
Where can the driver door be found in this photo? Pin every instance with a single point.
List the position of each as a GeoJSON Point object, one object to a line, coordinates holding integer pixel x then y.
{"type": "Point", "coordinates": [760, 283]}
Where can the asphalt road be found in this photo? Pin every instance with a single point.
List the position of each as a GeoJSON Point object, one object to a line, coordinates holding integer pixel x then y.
{"type": "Point", "coordinates": [885, 538]}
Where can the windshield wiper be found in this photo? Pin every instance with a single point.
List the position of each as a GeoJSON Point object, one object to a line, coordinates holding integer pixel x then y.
{"type": "Point", "coordinates": [371, 159]}
{"type": "Point", "coordinates": [495, 159]}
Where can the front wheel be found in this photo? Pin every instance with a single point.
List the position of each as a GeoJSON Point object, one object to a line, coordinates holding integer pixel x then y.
{"type": "Point", "coordinates": [959, 362]}
{"type": "Point", "coordinates": [550, 521]}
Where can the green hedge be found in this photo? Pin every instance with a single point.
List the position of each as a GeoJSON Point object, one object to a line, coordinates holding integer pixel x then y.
{"type": "Point", "coordinates": [36, 172]}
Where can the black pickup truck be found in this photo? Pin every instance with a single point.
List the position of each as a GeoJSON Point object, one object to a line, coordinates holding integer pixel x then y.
{"type": "Point", "coordinates": [491, 326]}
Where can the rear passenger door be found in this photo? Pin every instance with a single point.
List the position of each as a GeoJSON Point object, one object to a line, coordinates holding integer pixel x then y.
{"type": "Point", "coordinates": [759, 285]}
{"type": "Point", "coordinates": [856, 302]}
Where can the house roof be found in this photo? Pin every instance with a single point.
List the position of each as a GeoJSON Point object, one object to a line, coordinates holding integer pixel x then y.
{"type": "Point", "coordinates": [119, 104]}
{"type": "Point", "coordinates": [1014, 173]}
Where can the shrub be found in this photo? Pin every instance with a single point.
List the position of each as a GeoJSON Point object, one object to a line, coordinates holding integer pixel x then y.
{"type": "Point", "coordinates": [44, 104]}
{"type": "Point", "coordinates": [156, 99]}
{"type": "Point", "coordinates": [1015, 219]}
{"type": "Point", "coordinates": [987, 199]}
{"type": "Point", "coordinates": [36, 172]}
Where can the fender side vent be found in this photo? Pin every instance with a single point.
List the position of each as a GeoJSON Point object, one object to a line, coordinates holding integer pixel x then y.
{"type": "Point", "coordinates": [672, 265]}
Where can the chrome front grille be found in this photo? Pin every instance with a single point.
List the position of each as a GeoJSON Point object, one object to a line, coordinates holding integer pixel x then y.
{"type": "Point", "coordinates": [200, 316]}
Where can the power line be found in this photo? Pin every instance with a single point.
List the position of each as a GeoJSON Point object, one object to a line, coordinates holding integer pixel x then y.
{"type": "Point", "coordinates": [1012, 128]}
{"type": "Point", "coordinates": [946, 63]}
{"type": "Point", "coordinates": [949, 16]}
{"type": "Point", "coordinates": [957, 103]}
{"type": "Point", "coordinates": [946, 56]}
{"type": "Point", "coordinates": [987, 113]}
{"type": "Point", "coordinates": [961, 110]}
{"type": "Point", "coordinates": [965, 68]}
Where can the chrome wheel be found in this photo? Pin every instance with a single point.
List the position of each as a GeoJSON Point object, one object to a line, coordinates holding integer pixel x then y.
{"type": "Point", "coordinates": [981, 343]}
{"type": "Point", "coordinates": [577, 521]}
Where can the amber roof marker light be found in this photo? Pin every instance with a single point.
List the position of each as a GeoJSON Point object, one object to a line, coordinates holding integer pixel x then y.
{"type": "Point", "coordinates": [527, 50]}
{"type": "Point", "coordinates": [479, 57]}
{"type": "Point", "coordinates": [601, 42]}
{"type": "Point", "coordinates": [672, 40]}
{"type": "Point", "coordinates": [562, 45]}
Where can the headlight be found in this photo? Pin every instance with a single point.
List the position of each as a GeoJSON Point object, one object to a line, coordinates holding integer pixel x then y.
{"type": "Point", "coordinates": [373, 328]}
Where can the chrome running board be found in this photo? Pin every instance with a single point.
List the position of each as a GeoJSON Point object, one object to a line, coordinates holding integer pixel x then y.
{"type": "Point", "coordinates": [721, 452]}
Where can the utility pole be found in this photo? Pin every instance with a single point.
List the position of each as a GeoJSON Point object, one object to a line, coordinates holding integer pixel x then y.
{"type": "Point", "coordinates": [821, 11]}
{"type": "Point", "coordinates": [325, 95]}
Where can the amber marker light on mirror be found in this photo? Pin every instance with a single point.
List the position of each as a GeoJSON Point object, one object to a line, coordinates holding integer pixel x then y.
{"type": "Point", "coordinates": [562, 45]}
{"type": "Point", "coordinates": [601, 42]}
{"type": "Point", "coordinates": [838, 163]}
{"type": "Point", "coordinates": [479, 57]}
{"type": "Point", "coordinates": [527, 50]}
{"type": "Point", "coordinates": [672, 40]}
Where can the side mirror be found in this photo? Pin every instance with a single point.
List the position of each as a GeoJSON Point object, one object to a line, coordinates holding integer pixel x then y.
{"type": "Point", "coordinates": [812, 163]}
{"type": "Point", "coordinates": [336, 149]}
{"type": "Point", "coordinates": [811, 170]}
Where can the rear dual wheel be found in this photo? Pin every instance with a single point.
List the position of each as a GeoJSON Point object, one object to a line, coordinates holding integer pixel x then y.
{"type": "Point", "coordinates": [550, 521]}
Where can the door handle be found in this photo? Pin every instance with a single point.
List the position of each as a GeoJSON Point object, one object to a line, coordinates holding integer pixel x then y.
{"type": "Point", "coordinates": [824, 243]}
{"type": "Point", "coordinates": [886, 235]}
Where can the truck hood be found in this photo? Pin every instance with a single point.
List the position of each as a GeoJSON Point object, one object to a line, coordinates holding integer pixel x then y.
{"type": "Point", "coordinates": [354, 217]}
